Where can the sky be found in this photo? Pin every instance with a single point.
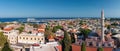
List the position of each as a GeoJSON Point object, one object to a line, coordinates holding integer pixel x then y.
{"type": "Point", "coordinates": [59, 8]}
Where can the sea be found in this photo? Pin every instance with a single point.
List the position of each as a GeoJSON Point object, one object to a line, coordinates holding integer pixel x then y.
{"type": "Point", "coordinates": [25, 19]}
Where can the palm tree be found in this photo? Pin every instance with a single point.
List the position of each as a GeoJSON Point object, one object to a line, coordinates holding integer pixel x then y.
{"type": "Point", "coordinates": [85, 33]}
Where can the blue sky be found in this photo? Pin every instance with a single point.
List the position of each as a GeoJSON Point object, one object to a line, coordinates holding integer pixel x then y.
{"type": "Point", "coordinates": [59, 8]}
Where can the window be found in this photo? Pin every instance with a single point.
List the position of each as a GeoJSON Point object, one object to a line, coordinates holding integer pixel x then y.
{"type": "Point", "coordinates": [35, 38]}
{"type": "Point", "coordinates": [23, 37]}
{"type": "Point", "coordinates": [42, 39]}
{"type": "Point", "coordinates": [103, 44]}
{"type": "Point", "coordinates": [38, 38]}
{"type": "Point", "coordinates": [26, 38]}
{"type": "Point", "coordinates": [109, 44]}
{"type": "Point", "coordinates": [31, 38]}
{"type": "Point", "coordinates": [20, 37]}
{"type": "Point", "coordinates": [90, 44]}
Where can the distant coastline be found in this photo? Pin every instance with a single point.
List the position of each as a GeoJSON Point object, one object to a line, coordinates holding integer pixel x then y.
{"type": "Point", "coordinates": [10, 19]}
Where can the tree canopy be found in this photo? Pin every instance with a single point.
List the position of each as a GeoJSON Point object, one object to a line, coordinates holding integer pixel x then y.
{"type": "Point", "coordinates": [20, 29]}
{"type": "Point", "coordinates": [72, 37]}
{"type": "Point", "coordinates": [85, 32]}
{"type": "Point", "coordinates": [81, 22]}
{"type": "Point", "coordinates": [48, 33]}
{"type": "Point", "coordinates": [2, 39]}
{"type": "Point", "coordinates": [56, 28]}
{"type": "Point", "coordinates": [6, 47]}
{"type": "Point", "coordinates": [108, 26]}
{"type": "Point", "coordinates": [100, 49]}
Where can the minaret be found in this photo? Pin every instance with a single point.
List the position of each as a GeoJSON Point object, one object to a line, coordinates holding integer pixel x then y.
{"type": "Point", "coordinates": [102, 25]}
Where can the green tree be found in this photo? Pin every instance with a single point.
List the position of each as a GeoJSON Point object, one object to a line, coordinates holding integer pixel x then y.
{"type": "Point", "coordinates": [85, 32]}
{"type": "Point", "coordinates": [20, 29]}
{"type": "Point", "coordinates": [56, 28]}
{"type": "Point", "coordinates": [83, 47]}
{"type": "Point", "coordinates": [66, 42]}
{"type": "Point", "coordinates": [47, 28]}
{"type": "Point", "coordinates": [72, 38]}
{"type": "Point", "coordinates": [81, 22]}
{"type": "Point", "coordinates": [2, 39]}
{"type": "Point", "coordinates": [108, 27]}
{"type": "Point", "coordinates": [6, 47]}
{"type": "Point", "coordinates": [48, 33]}
{"type": "Point", "coordinates": [100, 49]}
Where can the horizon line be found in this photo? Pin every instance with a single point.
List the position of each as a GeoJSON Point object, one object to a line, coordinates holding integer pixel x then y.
{"type": "Point", "coordinates": [57, 16]}
{"type": "Point", "coordinates": [60, 17]}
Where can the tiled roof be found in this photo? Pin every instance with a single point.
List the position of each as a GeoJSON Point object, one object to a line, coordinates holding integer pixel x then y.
{"type": "Point", "coordinates": [41, 30]}
{"type": "Point", "coordinates": [7, 29]}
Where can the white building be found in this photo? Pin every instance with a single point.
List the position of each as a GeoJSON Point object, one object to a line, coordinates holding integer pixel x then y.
{"type": "Point", "coordinates": [31, 38]}
{"type": "Point", "coordinates": [12, 36]}
{"type": "Point", "coordinates": [51, 46]}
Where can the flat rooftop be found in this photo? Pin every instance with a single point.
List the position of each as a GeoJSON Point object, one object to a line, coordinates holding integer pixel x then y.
{"type": "Point", "coordinates": [43, 48]}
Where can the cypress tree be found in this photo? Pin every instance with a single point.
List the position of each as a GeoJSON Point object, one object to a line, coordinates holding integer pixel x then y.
{"type": "Point", "coordinates": [83, 47]}
{"type": "Point", "coordinates": [100, 49]}
{"type": "Point", "coordinates": [72, 38]}
{"type": "Point", "coordinates": [66, 42]}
